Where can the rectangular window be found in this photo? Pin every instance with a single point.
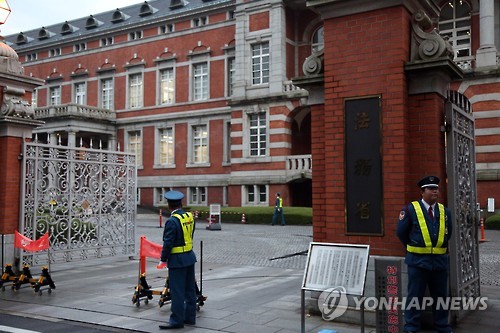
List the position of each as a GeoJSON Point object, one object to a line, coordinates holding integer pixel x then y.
{"type": "Point", "coordinates": [34, 98]}
{"type": "Point", "coordinates": [135, 35]}
{"type": "Point", "coordinates": [200, 21]}
{"type": "Point", "coordinates": [160, 199]}
{"type": "Point", "coordinates": [260, 63]}
{"type": "Point", "coordinates": [258, 134]}
{"type": "Point", "coordinates": [135, 90]}
{"type": "Point", "coordinates": [135, 145]}
{"type": "Point", "coordinates": [107, 41]}
{"type": "Point", "coordinates": [167, 86]}
{"type": "Point", "coordinates": [79, 47]}
{"type": "Point", "coordinates": [200, 81]}
{"type": "Point", "coordinates": [31, 57]}
{"type": "Point", "coordinates": [250, 193]}
{"type": "Point", "coordinates": [166, 146]}
{"type": "Point", "coordinates": [227, 143]}
{"type": "Point", "coordinates": [200, 144]}
{"type": "Point", "coordinates": [198, 195]}
{"type": "Point", "coordinates": [55, 52]}
{"type": "Point", "coordinates": [55, 95]}
{"type": "Point", "coordinates": [256, 194]}
{"type": "Point", "coordinates": [262, 193]}
{"type": "Point", "coordinates": [231, 71]}
{"type": "Point", "coordinates": [167, 28]}
{"type": "Point", "coordinates": [107, 94]}
{"type": "Point", "coordinates": [80, 91]}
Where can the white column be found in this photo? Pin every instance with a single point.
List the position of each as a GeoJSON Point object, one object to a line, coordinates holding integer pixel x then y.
{"type": "Point", "coordinates": [53, 138]}
{"type": "Point", "coordinates": [71, 139]}
{"type": "Point", "coordinates": [486, 55]}
{"type": "Point", "coordinates": [112, 142]}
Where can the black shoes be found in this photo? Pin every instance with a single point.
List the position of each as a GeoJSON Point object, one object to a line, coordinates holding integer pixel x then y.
{"type": "Point", "coordinates": [170, 327]}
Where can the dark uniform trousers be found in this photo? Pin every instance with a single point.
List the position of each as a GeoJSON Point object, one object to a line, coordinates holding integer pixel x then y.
{"type": "Point", "coordinates": [183, 281]}
{"type": "Point", "coordinates": [437, 281]}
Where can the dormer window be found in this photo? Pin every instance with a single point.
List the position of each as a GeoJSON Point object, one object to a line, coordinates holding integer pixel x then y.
{"type": "Point", "coordinates": [174, 4]}
{"type": "Point", "coordinates": [118, 16]}
{"type": "Point", "coordinates": [146, 9]}
{"type": "Point", "coordinates": [21, 39]}
{"type": "Point", "coordinates": [43, 34]}
{"type": "Point", "coordinates": [68, 28]}
{"type": "Point", "coordinates": [92, 22]}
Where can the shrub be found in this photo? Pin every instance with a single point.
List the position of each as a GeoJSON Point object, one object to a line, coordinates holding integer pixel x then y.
{"type": "Point", "coordinates": [493, 222]}
{"type": "Point", "coordinates": [255, 215]}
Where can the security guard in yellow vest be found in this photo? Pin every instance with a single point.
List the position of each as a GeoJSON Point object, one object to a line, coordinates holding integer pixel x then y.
{"type": "Point", "coordinates": [278, 210]}
{"type": "Point", "coordinates": [424, 228]}
{"type": "Point", "coordinates": [178, 254]}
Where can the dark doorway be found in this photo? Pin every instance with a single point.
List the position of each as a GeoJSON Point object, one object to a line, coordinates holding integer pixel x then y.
{"type": "Point", "coordinates": [301, 191]}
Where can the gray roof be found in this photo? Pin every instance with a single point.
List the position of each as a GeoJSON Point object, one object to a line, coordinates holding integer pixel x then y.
{"type": "Point", "coordinates": [146, 12]}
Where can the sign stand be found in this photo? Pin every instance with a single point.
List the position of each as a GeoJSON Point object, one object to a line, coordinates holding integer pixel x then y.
{"type": "Point", "coordinates": [214, 219]}
{"type": "Point", "coordinates": [331, 265]}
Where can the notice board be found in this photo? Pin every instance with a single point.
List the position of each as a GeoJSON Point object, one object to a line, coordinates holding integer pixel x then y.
{"type": "Point", "coordinates": [332, 265]}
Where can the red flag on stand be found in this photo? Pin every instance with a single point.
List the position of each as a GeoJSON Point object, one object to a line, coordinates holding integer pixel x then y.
{"type": "Point", "coordinates": [27, 244]}
{"type": "Point", "coordinates": [150, 249]}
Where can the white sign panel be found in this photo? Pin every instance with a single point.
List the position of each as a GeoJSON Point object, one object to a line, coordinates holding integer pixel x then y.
{"type": "Point", "coordinates": [214, 209]}
{"type": "Point", "coordinates": [332, 265]}
{"type": "Point", "coordinates": [491, 205]}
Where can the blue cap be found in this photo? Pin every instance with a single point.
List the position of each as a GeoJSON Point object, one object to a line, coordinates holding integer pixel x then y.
{"type": "Point", "coordinates": [173, 196]}
{"type": "Point", "coordinates": [429, 181]}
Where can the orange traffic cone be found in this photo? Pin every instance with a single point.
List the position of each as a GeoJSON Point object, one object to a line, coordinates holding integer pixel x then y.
{"type": "Point", "coordinates": [483, 239]}
{"type": "Point", "coordinates": [243, 218]}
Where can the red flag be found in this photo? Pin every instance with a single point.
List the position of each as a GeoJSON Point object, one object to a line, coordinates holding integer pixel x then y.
{"type": "Point", "coordinates": [27, 244]}
{"type": "Point", "coordinates": [150, 249]}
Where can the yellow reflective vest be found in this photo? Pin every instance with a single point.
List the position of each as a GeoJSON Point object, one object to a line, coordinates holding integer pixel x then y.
{"type": "Point", "coordinates": [187, 226]}
{"type": "Point", "coordinates": [428, 248]}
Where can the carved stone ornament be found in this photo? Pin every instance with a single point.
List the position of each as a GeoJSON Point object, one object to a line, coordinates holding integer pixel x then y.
{"type": "Point", "coordinates": [14, 105]}
{"type": "Point", "coordinates": [313, 64]}
{"type": "Point", "coordinates": [9, 60]}
{"type": "Point", "coordinates": [427, 43]}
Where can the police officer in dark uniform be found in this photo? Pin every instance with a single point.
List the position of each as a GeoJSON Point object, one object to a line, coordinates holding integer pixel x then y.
{"type": "Point", "coordinates": [178, 254]}
{"type": "Point", "coordinates": [424, 228]}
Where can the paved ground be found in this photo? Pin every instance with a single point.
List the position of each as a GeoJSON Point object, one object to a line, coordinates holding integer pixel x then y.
{"type": "Point", "coordinates": [251, 274]}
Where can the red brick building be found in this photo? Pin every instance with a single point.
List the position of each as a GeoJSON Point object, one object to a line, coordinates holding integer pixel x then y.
{"type": "Point", "coordinates": [199, 90]}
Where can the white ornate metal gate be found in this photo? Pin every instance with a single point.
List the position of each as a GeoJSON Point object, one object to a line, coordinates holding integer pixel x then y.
{"type": "Point", "coordinates": [462, 199]}
{"type": "Point", "coordinates": [85, 198]}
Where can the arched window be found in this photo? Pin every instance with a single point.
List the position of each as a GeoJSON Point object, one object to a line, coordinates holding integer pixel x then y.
{"type": "Point", "coordinates": [318, 42]}
{"type": "Point", "coordinates": [455, 24]}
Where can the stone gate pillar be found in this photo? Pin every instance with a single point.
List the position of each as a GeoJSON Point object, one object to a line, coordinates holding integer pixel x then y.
{"type": "Point", "coordinates": [16, 125]}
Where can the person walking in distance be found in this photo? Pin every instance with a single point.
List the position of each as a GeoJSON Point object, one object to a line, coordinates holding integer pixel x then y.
{"type": "Point", "coordinates": [424, 228]}
{"type": "Point", "coordinates": [177, 253]}
{"type": "Point", "coordinates": [278, 210]}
